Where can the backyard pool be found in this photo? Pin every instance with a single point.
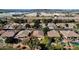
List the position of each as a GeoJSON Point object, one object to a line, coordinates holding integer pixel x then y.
{"type": "Point", "coordinates": [75, 44]}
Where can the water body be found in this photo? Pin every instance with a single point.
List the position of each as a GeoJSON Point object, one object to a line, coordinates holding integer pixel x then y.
{"type": "Point", "coordinates": [75, 44]}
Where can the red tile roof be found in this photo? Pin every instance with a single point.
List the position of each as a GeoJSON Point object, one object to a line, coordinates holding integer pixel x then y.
{"type": "Point", "coordinates": [2, 31]}
{"type": "Point", "coordinates": [69, 33]}
{"type": "Point", "coordinates": [53, 33]}
{"type": "Point", "coordinates": [8, 33]}
{"type": "Point", "coordinates": [38, 33]}
{"type": "Point", "coordinates": [23, 34]}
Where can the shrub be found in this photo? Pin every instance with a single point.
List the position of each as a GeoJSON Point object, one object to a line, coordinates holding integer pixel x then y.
{"type": "Point", "coordinates": [12, 40]}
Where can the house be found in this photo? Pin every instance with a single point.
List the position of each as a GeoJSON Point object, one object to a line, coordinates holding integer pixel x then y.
{"type": "Point", "coordinates": [43, 25]}
{"type": "Point", "coordinates": [8, 26]}
{"type": "Point", "coordinates": [66, 25]}
{"type": "Point", "coordinates": [23, 34]}
{"type": "Point", "coordinates": [9, 33]}
{"type": "Point", "coordinates": [2, 31]}
{"type": "Point", "coordinates": [31, 24]}
{"type": "Point", "coordinates": [15, 24]}
{"type": "Point", "coordinates": [38, 33]}
{"type": "Point", "coordinates": [60, 25]}
{"type": "Point", "coordinates": [68, 33]}
{"type": "Point", "coordinates": [53, 33]}
{"type": "Point", "coordinates": [72, 25]}
{"type": "Point", "coordinates": [51, 26]}
{"type": "Point", "coordinates": [21, 26]}
{"type": "Point", "coordinates": [11, 25]}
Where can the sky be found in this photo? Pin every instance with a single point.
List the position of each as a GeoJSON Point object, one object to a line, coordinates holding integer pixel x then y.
{"type": "Point", "coordinates": [39, 4]}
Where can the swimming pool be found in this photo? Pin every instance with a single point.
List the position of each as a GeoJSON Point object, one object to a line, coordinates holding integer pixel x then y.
{"type": "Point", "coordinates": [75, 44]}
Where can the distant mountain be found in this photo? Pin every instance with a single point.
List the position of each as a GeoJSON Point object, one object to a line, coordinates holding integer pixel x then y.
{"type": "Point", "coordinates": [39, 10]}
{"type": "Point", "coordinates": [14, 10]}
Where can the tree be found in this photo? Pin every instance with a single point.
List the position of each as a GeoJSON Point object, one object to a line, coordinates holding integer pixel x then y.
{"type": "Point", "coordinates": [58, 46]}
{"type": "Point", "coordinates": [49, 20]}
{"type": "Point", "coordinates": [36, 23]}
{"type": "Point", "coordinates": [25, 41]}
{"type": "Point", "coordinates": [72, 21]}
{"type": "Point", "coordinates": [45, 42]}
{"type": "Point", "coordinates": [12, 40]}
{"type": "Point", "coordinates": [66, 25]}
{"type": "Point", "coordinates": [3, 22]}
{"type": "Point", "coordinates": [45, 21]}
{"type": "Point", "coordinates": [19, 20]}
{"type": "Point", "coordinates": [45, 30]}
{"type": "Point", "coordinates": [36, 26]}
{"type": "Point", "coordinates": [27, 26]}
{"type": "Point", "coordinates": [77, 26]}
{"type": "Point", "coordinates": [33, 43]}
